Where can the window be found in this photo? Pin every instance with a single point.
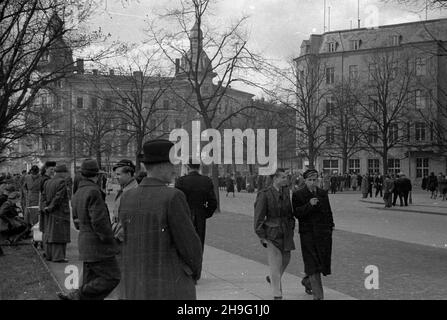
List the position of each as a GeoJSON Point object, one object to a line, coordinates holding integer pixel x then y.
{"type": "Point", "coordinates": [395, 40]}
{"type": "Point", "coordinates": [330, 106]}
{"type": "Point", "coordinates": [330, 166]}
{"type": "Point", "coordinates": [153, 124]}
{"type": "Point", "coordinates": [166, 104]}
{"type": "Point", "coordinates": [373, 105]}
{"type": "Point", "coordinates": [394, 133]}
{"type": "Point", "coordinates": [420, 99]}
{"type": "Point", "coordinates": [178, 124]}
{"type": "Point", "coordinates": [80, 102]}
{"type": "Point", "coordinates": [332, 46]}
{"type": "Point", "coordinates": [372, 71]}
{"type": "Point", "coordinates": [94, 102]}
{"type": "Point", "coordinates": [57, 103]}
{"type": "Point", "coordinates": [354, 165]}
{"type": "Point", "coordinates": [330, 135]}
{"type": "Point", "coordinates": [353, 73]}
{"type": "Point", "coordinates": [432, 130]}
{"type": "Point", "coordinates": [352, 135]}
{"type": "Point", "coordinates": [393, 166]}
{"type": "Point", "coordinates": [354, 44]}
{"type": "Point", "coordinates": [45, 56]}
{"type": "Point", "coordinates": [373, 134]}
{"type": "Point", "coordinates": [165, 126]}
{"type": "Point", "coordinates": [420, 131]}
{"type": "Point", "coordinates": [330, 75]}
{"type": "Point", "coordinates": [420, 66]}
{"type": "Point", "coordinates": [301, 75]}
{"type": "Point", "coordinates": [373, 166]}
{"type": "Point", "coordinates": [421, 167]}
{"type": "Point", "coordinates": [394, 69]}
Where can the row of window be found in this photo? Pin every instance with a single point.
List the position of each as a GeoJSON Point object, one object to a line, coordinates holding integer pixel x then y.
{"type": "Point", "coordinates": [356, 44]}
{"type": "Point", "coordinates": [373, 166]}
{"type": "Point", "coordinates": [420, 69]}
{"type": "Point", "coordinates": [422, 132]}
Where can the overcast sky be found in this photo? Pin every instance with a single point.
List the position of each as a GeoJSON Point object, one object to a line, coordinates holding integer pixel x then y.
{"type": "Point", "coordinates": [276, 27]}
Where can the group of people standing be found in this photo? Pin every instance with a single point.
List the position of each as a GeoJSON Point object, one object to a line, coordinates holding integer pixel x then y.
{"type": "Point", "coordinates": [436, 185]}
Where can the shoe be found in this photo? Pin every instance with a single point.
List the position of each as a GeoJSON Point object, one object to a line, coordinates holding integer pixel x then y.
{"type": "Point", "coordinates": [307, 287]}
{"type": "Point", "coordinates": [61, 261]}
{"type": "Point", "coordinates": [277, 298]}
{"type": "Point", "coordinates": [67, 296]}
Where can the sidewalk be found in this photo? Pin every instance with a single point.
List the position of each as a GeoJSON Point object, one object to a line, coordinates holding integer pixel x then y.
{"type": "Point", "coordinates": [225, 276]}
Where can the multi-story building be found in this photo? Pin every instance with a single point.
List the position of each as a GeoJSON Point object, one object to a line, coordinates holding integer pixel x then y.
{"type": "Point", "coordinates": [85, 100]}
{"type": "Point", "coordinates": [368, 60]}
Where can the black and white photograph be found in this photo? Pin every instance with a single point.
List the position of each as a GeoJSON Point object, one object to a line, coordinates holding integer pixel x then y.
{"type": "Point", "coordinates": [240, 151]}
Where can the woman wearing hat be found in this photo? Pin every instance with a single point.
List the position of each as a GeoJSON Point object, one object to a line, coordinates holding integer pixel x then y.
{"type": "Point", "coordinates": [314, 214]}
{"type": "Point", "coordinates": [32, 192]}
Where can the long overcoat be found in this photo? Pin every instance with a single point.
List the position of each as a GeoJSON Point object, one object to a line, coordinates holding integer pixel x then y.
{"type": "Point", "coordinates": [161, 252]}
{"type": "Point", "coordinates": [315, 227]}
{"type": "Point", "coordinates": [199, 192]}
{"type": "Point", "coordinates": [57, 215]}
{"type": "Point", "coordinates": [95, 241]}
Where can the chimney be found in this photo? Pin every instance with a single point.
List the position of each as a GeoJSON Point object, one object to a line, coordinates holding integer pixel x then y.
{"type": "Point", "coordinates": [177, 66]}
{"type": "Point", "coordinates": [111, 72]}
{"type": "Point", "coordinates": [80, 66]}
{"type": "Point", "coordinates": [95, 72]}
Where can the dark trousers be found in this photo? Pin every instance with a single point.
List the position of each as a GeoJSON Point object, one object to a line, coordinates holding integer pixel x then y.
{"type": "Point", "coordinates": [370, 192]}
{"type": "Point", "coordinates": [99, 279]}
{"type": "Point", "coordinates": [317, 286]}
{"type": "Point", "coordinates": [403, 197]}
{"type": "Point", "coordinates": [395, 194]}
{"type": "Point", "coordinates": [379, 190]}
{"type": "Point", "coordinates": [387, 197]}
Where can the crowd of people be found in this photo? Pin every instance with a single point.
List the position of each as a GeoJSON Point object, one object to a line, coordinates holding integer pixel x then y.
{"type": "Point", "coordinates": [436, 185]}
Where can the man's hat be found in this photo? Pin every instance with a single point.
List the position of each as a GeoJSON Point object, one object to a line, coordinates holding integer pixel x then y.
{"type": "Point", "coordinates": [61, 168]}
{"type": "Point", "coordinates": [90, 166]}
{"type": "Point", "coordinates": [50, 164]}
{"type": "Point", "coordinates": [156, 151]}
{"type": "Point", "coordinates": [124, 163]}
{"type": "Point", "coordinates": [309, 172]}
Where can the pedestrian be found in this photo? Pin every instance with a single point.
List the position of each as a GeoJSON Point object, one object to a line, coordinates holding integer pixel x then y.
{"type": "Point", "coordinates": [354, 183]}
{"type": "Point", "coordinates": [274, 224]}
{"type": "Point", "coordinates": [370, 185]}
{"type": "Point", "coordinates": [403, 185]}
{"type": "Point", "coordinates": [443, 187]}
{"type": "Point", "coordinates": [334, 184]}
{"type": "Point", "coordinates": [201, 198]}
{"type": "Point", "coordinates": [364, 186]}
{"type": "Point", "coordinates": [230, 185]}
{"type": "Point", "coordinates": [378, 184]}
{"type": "Point", "coordinates": [424, 184]}
{"type": "Point", "coordinates": [46, 173]}
{"type": "Point", "coordinates": [57, 216]}
{"type": "Point", "coordinates": [388, 187]}
{"type": "Point", "coordinates": [162, 253]}
{"type": "Point", "coordinates": [96, 243]}
{"type": "Point", "coordinates": [313, 211]}
{"type": "Point", "coordinates": [31, 190]}
{"type": "Point", "coordinates": [124, 172]}
{"type": "Point", "coordinates": [12, 227]}
{"type": "Point", "coordinates": [432, 185]}
{"type": "Point", "coordinates": [22, 180]}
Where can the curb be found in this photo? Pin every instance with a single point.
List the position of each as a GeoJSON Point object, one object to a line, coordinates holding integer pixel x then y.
{"type": "Point", "coordinates": [48, 269]}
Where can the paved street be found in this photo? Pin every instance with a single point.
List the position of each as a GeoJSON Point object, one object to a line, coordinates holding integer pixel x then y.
{"type": "Point", "coordinates": [408, 245]}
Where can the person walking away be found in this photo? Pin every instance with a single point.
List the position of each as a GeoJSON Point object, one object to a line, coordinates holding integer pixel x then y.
{"type": "Point", "coordinates": [57, 216]}
{"type": "Point", "coordinates": [230, 185]}
{"type": "Point", "coordinates": [96, 243]}
{"type": "Point", "coordinates": [162, 253]}
{"type": "Point", "coordinates": [46, 173]}
{"type": "Point", "coordinates": [424, 185]}
{"type": "Point", "coordinates": [31, 189]}
{"type": "Point", "coordinates": [378, 184]}
{"type": "Point", "coordinates": [334, 183]}
{"type": "Point", "coordinates": [202, 202]}
{"type": "Point", "coordinates": [388, 187]}
{"type": "Point", "coordinates": [432, 185]}
{"type": "Point", "coordinates": [313, 211]}
{"type": "Point", "coordinates": [354, 183]}
{"type": "Point", "coordinates": [404, 188]}
{"type": "Point", "coordinates": [274, 224]}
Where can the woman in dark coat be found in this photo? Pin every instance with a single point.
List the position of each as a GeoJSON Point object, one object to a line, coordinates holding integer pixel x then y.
{"type": "Point", "coordinates": [432, 185]}
{"type": "Point", "coordinates": [230, 185]}
{"type": "Point", "coordinates": [312, 208]}
{"type": "Point", "coordinates": [32, 191]}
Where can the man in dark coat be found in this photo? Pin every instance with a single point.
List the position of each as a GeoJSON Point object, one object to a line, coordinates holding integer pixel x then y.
{"type": "Point", "coordinates": [403, 185]}
{"type": "Point", "coordinates": [57, 216]}
{"type": "Point", "coordinates": [199, 192]}
{"type": "Point", "coordinates": [162, 253]}
{"type": "Point", "coordinates": [96, 244]}
{"type": "Point", "coordinates": [274, 224]}
{"type": "Point", "coordinates": [312, 208]}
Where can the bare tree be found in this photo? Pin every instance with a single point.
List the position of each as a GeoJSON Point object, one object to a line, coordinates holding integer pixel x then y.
{"type": "Point", "coordinates": [421, 4]}
{"type": "Point", "coordinates": [300, 89]}
{"type": "Point", "coordinates": [29, 32]}
{"type": "Point", "coordinates": [383, 103]}
{"type": "Point", "coordinates": [230, 60]}
{"type": "Point", "coordinates": [342, 135]}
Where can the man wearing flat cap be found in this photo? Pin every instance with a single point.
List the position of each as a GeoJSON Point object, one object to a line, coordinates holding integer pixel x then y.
{"type": "Point", "coordinates": [96, 244]}
{"type": "Point", "coordinates": [313, 211]}
{"type": "Point", "coordinates": [46, 173]}
{"type": "Point", "coordinates": [124, 171]}
{"type": "Point", "coordinates": [57, 216]}
{"type": "Point", "coordinates": [199, 191]}
{"type": "Point", "coordinates": [162, 253]}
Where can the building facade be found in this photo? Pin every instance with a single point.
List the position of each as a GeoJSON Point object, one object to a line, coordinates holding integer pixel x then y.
{"type": "Point", "coordinates": [409, 62]}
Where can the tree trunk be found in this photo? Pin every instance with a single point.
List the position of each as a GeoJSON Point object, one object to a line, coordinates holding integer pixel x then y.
{"type": "Point", "coordinates": [215, 178]}
{"type": "Point", "coordinates": [344, 162]}
{"type": "Point", "coordinates": [385, 161]}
